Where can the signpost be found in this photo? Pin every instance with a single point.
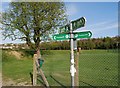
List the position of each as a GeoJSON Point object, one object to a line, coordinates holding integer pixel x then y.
{"type": "Point", "coordinates": [75, 25]}
{"type": "Point", "coordinates": [86, 34]}
{"type": "Point", "coordinates": [67, 33]}
{"type": "Point", "coordinates": [72, 68]}
{"type": "Point", "coordinates": [61, 37]}
{"type": "Point", "coordinates": [65, 29]}
{"type": "Point", "coordinates": [76, 35]}
{"type": "Point", "coordinates": [78, 23]}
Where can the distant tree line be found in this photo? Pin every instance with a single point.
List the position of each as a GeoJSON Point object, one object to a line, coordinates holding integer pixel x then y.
{"type": "Point", "coordinates": [87, 44]}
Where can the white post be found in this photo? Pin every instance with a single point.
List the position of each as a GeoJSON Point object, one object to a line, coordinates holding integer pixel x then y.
{"type": "Point", "coordinates": [72, 68]}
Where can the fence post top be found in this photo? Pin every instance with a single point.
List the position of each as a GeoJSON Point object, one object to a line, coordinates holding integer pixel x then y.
{"type": "Point", "coordinates": [35, 56]}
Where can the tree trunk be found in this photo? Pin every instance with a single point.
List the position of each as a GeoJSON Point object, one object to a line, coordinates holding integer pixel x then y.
{"type": "Point", "coordinates": [38, 53]}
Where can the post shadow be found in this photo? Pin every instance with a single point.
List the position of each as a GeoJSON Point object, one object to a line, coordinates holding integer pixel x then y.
{"type": "Point", "coordinates": [41, 81]}
{"type": "Point", "coordinates": [91, 86]}
{"type": "Point", "coordinates": [58, 82]}
{"type": "Point", "coordinates": [31, 76]}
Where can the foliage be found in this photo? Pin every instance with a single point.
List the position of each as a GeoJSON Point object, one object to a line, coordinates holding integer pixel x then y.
{"type": "Point", "coordinates": [94, 43]}
{"type": "Point", "coordinates": [31, 21]}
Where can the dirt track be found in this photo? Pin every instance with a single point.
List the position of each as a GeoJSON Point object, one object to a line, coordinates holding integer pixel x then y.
{"type": "Point", "coordinates": [10, 82]}
{"type": "Point", "coordinates": [16, 54]}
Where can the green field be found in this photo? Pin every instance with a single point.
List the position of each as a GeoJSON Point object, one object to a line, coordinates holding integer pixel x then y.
{"type": "Point", "coordinates": [96, 67]}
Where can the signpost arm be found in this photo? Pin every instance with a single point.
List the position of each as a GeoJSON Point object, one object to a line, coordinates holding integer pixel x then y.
{"type": "Point", "coordinates": [72, 69]}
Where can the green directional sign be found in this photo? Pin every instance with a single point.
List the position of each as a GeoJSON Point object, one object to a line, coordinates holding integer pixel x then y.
{"type": "Point", "coordinates": [86, 34]}
{"type": "Point", "coordinates": [77, 35]}
{"type": "Point", "coordinates": [65, 29]}
{"type": "Point", "coordinates": [75, 25]}
{"type": "Point", "coordinates": [61, 37]}
{"type": "Point", "coordinates": [78, 23]}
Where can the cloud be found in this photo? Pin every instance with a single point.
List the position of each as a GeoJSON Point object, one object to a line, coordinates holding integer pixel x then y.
{"type": "Point", "coordinates": [71, 9]}
{"type": "Point", "coordinates": [105, 28]}
{"type": "Point", "coordinates": [101, 29]}
{"type": "Point", "coordinates": [6, 0]}
{"type": "Point", "coordinates": [99, 24]}
{"type": "Point", "coordinates": [112, 26]}
{"type": "Point", "coordinates": [105, 25]}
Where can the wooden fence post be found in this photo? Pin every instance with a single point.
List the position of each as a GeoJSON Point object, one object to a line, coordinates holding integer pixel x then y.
{"type": "Point", "coordinates": [34, 70]}
{"type": "Point", "coordinates": [37, 70]}
{"type": "Point", "coordinates": [44, 78]}
{"type": "Point", "coordinates": [77, 67]}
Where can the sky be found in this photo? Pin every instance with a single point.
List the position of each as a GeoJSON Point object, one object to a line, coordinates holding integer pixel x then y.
{"type": "Point", "coordinates": [102, 17]}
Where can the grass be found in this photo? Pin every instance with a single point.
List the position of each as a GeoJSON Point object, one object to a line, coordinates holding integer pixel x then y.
{"type": "Point", "coordinates": [99, 68]}
{"type": "Point", "coordinates": [15, 69]}
{"type": "Point", "coordinates": [96, 67]}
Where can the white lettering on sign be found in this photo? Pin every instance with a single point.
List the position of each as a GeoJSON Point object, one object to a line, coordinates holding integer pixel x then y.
{"type": "Point", "coordinates": [89, 34]}
{"type": "Point", "coordinates": [67, 36]}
